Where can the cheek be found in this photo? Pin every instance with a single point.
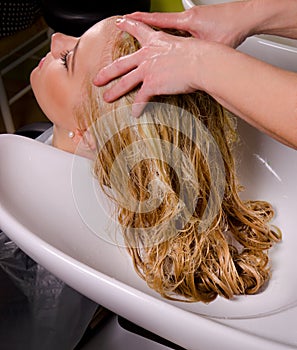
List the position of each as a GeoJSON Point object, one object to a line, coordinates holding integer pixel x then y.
{"type": "Point", "coordinates": [53, 93]}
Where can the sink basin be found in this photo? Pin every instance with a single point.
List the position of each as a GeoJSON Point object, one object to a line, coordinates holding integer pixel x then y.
{"type": "Point", "coordinates": [281, 52]}
{"type": "Point", "coordinates": [52, 208]}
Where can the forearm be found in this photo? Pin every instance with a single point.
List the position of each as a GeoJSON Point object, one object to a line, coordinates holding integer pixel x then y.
{"type": "Point", "coordinates": [261, 94]}
{"type": "Point", "coordinates": [275, 17]}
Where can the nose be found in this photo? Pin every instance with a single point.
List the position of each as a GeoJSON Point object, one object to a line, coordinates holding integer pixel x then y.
{"type": "Point", "coordinates": [61, 43]}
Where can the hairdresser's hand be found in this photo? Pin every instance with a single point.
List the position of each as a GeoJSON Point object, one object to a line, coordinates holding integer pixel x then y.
{"type": "Point", "coordinates": [227, 23]}
{"type": "Point", "coordinates": [159, 65]}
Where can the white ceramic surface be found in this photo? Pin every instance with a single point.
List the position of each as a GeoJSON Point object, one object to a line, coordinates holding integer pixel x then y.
{"type": "Point", "coordinates": [281, 52]}
{"type": "Point", "coordinates": [39, 194]}
{"type": "Point", "coordinates": [51, 207]}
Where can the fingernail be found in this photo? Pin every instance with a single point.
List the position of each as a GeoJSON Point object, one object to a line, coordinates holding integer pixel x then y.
{"type": "Point", "coordinates": [106, 97]}
{"type": "Point", "coordinates": [96, 80]}
{"type": "Point", "coordinates": [135, 112]}
{"type": "Point", "coordinates": [120, 20]}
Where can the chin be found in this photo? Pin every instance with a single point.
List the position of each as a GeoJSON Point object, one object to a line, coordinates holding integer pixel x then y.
{"type": "Point", "coordinates": [32, 79]}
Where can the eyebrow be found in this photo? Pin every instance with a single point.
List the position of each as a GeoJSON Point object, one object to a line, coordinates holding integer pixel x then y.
{"type": "Point", "coordinates": [73, 57]}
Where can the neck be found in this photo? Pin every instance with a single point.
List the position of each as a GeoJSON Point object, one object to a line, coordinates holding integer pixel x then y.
{"type": "Point", "coordinates": [62, 141]}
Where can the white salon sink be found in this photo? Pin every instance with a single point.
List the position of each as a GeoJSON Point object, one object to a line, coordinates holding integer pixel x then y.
{"type": "Point", "coordinates": [281, 52]}
{"type": "Point", "coordinates": [52, 208]}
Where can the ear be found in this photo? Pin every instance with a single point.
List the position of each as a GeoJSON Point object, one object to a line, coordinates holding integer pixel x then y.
{"type": "Point", "coordinates": [85, 139]}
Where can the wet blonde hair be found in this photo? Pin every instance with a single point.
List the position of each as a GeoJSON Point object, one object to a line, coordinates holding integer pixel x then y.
{"type": "Point", "coordinates": [176, 254]}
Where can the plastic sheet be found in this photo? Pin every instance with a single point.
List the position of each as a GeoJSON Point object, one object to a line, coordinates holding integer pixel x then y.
{"type": "Point", "coordinates": [37, 310]}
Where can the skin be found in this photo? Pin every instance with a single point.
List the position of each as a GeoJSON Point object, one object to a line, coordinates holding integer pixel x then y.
{"type": "Point", "coordinates": [230, 23]}
{"type": "Point", "coordinates": [261, 94]}
{"type": "Point", "coordinates": [59, 89]}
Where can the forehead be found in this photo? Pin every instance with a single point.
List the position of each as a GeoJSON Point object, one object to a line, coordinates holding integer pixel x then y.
{"type": "Point", "coordinates": [97, 42]}
{"type": "Point", "coordinates": [104, 25]}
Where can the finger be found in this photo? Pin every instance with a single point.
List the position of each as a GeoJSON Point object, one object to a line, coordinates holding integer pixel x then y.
{"type": "Point", "coordinates": [141, 100]}
{"type": "Point", "coordinates": [139, 30]}
{"type": "Point", "coordinates": [123, 86]}
{"type": "Point", "coordinates": [161, 20]}
{"type": "Point", "coordinates": [117, 68]}
{"type": "Point", "coordinates": [137, 109]}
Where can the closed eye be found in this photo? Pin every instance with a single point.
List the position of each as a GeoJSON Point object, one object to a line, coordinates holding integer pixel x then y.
{"type": "Point", "coordinates": [63, 57]}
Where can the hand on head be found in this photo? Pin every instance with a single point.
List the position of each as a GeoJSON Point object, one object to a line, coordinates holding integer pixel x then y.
{"type": "Point", "coordinates": [164, 63]}
{"type": "Point", "coordinates": [225, 23]}
{"type": "Point", "coordinates": [158, 65]}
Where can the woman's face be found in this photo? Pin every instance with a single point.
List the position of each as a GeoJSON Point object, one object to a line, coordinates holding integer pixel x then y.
{"type": "Point", "coordinates": [58, 80]}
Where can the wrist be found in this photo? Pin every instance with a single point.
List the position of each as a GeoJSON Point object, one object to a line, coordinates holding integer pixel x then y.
{"type": "Point", "coordinates": [197, 64]}
{"type": "Point", "coordinates": [206, 62]}
{"type": "Point", "coordinates": [254, 16]}
{"type": "Point", "coordinates": [274, 17]}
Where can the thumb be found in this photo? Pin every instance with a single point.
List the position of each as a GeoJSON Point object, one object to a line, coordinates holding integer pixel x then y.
{"type": "Point", "coordinates": [162, 20]}
{"type": "Point", "coordinates": [139, 30]}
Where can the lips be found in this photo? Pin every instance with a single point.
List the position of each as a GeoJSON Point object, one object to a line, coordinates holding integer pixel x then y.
{"type": "Point", "coordinates": [41, 62]}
